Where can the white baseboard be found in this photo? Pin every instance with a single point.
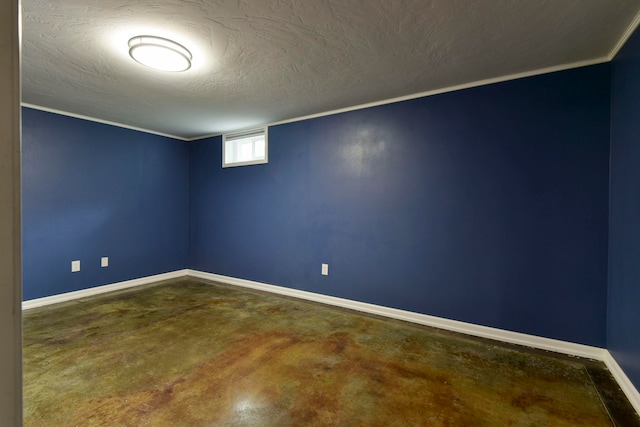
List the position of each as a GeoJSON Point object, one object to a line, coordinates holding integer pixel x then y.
{"type": "Point", "coordinates": [423, 319]}
{"type": "Point", "coordinates": [68, 296]}
{"type": "Point", "coordinates": [623, 381]}
{"type": "Point", "coordinates": [549, 344]}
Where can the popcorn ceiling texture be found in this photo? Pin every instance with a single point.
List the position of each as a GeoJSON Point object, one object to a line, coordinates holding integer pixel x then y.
{"type": "Point", "coordinates": [260, 62]}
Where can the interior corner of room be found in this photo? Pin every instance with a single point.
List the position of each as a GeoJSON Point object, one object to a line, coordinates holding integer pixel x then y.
{"type": "Point", "coordinates": [507, 210]}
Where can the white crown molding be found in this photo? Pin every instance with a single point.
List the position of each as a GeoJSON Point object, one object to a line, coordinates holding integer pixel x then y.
{"type": "Point", "coordinates": [104, 122]}
{"type": "Point", "coordinates": [478, 83]}
{"type": "Point", "coordinates": [69, 296]}
{"type": "Point", "coordinates": [455, 88]}
{"type": "Point", "coordinates": [625, 36]}
{"type": "Point", "coordinates": [623, 381]}
{"type": "Point", "coordinates": [211, 135]}
{"type": "Point", "coordinates": [422, 319]}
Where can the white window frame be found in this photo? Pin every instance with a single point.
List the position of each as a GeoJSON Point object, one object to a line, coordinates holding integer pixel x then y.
{"type": "Point", "coordinates": [239, 136]}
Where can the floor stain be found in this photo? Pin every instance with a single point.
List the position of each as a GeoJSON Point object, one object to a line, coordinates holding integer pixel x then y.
{"type": "Point", "coordinates": [194, 353]}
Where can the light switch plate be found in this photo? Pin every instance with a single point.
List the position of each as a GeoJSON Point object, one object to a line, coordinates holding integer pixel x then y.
{"type": "Point", "coordinates": [104, 261]}
{"type": "Point", "coordinates": [75, 266]}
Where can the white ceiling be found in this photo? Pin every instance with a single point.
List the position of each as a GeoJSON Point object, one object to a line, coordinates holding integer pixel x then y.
{"type": "Point", "coordinates": [258, 62]}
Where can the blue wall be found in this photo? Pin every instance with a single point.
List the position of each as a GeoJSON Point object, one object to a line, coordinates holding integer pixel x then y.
{"type": "Point", "coordinates": [93, 190]}
{"type": "Point", "coordinates": [487, 205]}
{"type": "Point", "coordinates": [623, 332]}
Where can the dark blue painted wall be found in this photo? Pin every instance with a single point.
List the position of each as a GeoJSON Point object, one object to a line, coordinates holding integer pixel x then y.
{"type": "Point", "coordinates": [623, 332]}
{"type": "Point", "coordinates": [91, 190]}
{"type": "Point", "coordinates": [487, 205]}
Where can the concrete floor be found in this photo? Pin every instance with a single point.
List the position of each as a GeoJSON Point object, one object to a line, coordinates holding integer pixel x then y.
{"type": "Point", "coordinates": [192, 353]}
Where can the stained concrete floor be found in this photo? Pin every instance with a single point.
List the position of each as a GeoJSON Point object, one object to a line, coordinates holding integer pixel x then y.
{"type": "Point", "coordinates": [193, 353]}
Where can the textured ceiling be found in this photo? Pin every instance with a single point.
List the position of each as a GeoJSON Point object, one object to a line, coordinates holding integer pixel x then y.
{"type": "Point", "coordinates": [258, 62]}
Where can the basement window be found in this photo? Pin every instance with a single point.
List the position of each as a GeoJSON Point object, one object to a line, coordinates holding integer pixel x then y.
{"type": "Point", "coordinates": [249, 147]}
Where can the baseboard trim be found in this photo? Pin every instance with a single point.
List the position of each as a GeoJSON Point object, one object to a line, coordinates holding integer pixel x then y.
{"type": "Point", "coordinates": [549, 344]}
{"type": "Point", "coordinates": [527, 340]}
{"type": "Point", "coordinates": [623, 381]}
{"type": "Point", "coordinates": [533, 341]}
{"type": "Point", "coordinates": [68, 296]}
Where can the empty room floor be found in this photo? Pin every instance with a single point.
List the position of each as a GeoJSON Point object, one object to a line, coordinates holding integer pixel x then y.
{"type": "Point", "coordinates": [189, 352]}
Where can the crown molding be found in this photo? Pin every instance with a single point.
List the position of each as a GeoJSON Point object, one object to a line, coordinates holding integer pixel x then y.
{"type": "Point", "coordinates": [104, 122]}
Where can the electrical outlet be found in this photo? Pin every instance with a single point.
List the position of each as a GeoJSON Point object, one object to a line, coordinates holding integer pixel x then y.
{"type": "Point", "coordinates": [104, 261]}
{"type": "Point", "coordinates": [75, 266]}
{"type": "Point", "coordinates": [325, 269]}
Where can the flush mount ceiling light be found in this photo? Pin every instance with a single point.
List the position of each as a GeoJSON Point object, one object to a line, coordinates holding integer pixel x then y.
{"type": "Point", "coordinates": [160, 53]}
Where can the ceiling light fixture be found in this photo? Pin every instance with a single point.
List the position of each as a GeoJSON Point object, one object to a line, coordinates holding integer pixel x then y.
{"type": "Point", "coordinates": [159, 53]}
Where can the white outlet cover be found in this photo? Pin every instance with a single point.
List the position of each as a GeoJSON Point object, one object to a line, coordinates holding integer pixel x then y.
{"type": "Point", "coordinates": [104, 261]}
{"type": "Point", "coordinates": [75, 266]}
{"type": "Point", "coordinates": [325, 269]}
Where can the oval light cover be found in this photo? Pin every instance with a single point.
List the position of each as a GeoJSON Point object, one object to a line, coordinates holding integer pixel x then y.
{"type": "Point", "coordinates": [159, 53]}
